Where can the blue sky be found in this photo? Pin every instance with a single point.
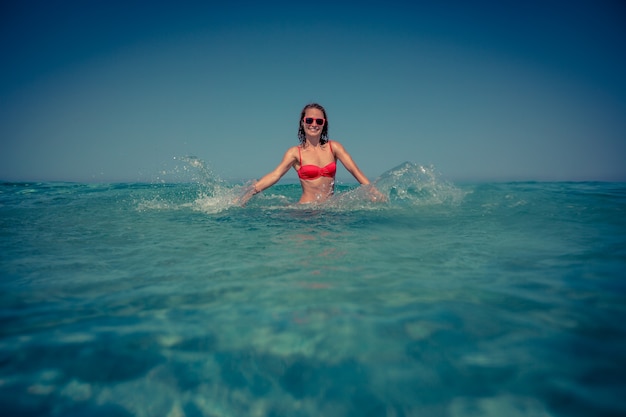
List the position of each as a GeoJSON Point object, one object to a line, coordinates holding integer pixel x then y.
{"type": "Point", "coordinates": [114, 91]}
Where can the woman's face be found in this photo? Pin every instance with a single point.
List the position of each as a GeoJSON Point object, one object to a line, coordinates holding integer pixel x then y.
{"type": "Point", "coordinates": [313, 129]}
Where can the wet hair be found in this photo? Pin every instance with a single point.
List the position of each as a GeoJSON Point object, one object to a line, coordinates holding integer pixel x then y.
{"type": "Point", "coordinates": [302, 135]}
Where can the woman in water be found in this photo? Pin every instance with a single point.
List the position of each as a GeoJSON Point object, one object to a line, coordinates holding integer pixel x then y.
{"type": "Point", "coordinates": [314, 160]}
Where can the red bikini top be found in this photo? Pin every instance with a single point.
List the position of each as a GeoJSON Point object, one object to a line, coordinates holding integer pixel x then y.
{"type": "Point", "coordinates": [312, 172]}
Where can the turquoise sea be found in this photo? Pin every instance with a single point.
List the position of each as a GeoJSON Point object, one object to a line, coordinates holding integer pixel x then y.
{"type": "Point", "coordinates": [165, 299]}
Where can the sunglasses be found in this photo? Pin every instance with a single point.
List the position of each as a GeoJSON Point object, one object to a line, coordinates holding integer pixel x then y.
{"type": "Point", "coordinates": [309, 121]}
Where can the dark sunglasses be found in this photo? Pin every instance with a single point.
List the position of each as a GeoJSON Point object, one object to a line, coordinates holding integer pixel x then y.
{"type": "Point", "coordinates": [309, 121]}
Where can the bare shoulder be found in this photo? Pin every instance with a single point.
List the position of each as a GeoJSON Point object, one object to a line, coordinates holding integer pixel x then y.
{"type": "Point", "coordinates": [336, 146]}
{"type": "Point", "coordinates": [291, 153]}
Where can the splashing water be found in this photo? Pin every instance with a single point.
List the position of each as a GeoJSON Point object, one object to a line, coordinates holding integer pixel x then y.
{"type": "Point", "coordinates": [201, 174]}
{"type": "Point", "coordinates": [412, 184]}
{"type": "Point", "coordinates": [407, 184]}
{"type": "Point", "coordinates": [209, 193]}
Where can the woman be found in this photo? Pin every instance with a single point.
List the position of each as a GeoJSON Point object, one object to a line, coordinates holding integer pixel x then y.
{"type": "Point", "coordinates": [314, 160]}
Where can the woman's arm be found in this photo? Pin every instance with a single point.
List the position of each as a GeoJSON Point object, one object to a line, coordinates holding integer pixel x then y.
{"type": "Point", "coordinates": [351, 166]}
{"type": "Point", "coordinates": [349, 163]}
{"type": "Point", "coordinates": [272, 177]}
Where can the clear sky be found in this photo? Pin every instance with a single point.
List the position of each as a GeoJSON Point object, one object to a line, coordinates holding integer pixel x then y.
{"type": "Point", "coordinates": [483, 90]}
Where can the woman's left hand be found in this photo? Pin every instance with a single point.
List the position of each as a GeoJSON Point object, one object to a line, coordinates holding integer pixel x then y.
{"type": "Point", "coordinates": [375, 195]}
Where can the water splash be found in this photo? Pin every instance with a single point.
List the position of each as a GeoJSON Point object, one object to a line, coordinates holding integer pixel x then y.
{"type": "Point", "coordinates": [200, 173]}
{"type": "Point", "coordinates": [414, 184]}
{"type": "Point", "coordinates": [407, 184]}
{"type": "Point", "coordinates": [206, 191]}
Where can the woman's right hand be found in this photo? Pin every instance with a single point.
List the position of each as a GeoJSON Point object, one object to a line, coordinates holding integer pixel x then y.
{"type": "Point", "coordinates": [247, 195]}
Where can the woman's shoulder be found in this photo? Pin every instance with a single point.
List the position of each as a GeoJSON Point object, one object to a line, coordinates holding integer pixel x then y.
{"type": "Point", "coordinates": [335, 145]}
{"type": "Point", "coordinates": [292, 151]}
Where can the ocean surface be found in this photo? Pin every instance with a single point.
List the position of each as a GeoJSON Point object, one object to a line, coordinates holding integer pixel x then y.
{"type": "Point", "coordinates": [168, 300]}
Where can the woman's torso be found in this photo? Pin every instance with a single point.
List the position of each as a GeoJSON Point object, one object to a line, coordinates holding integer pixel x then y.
{"type": "Point", "coordinates": [316, 168]}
